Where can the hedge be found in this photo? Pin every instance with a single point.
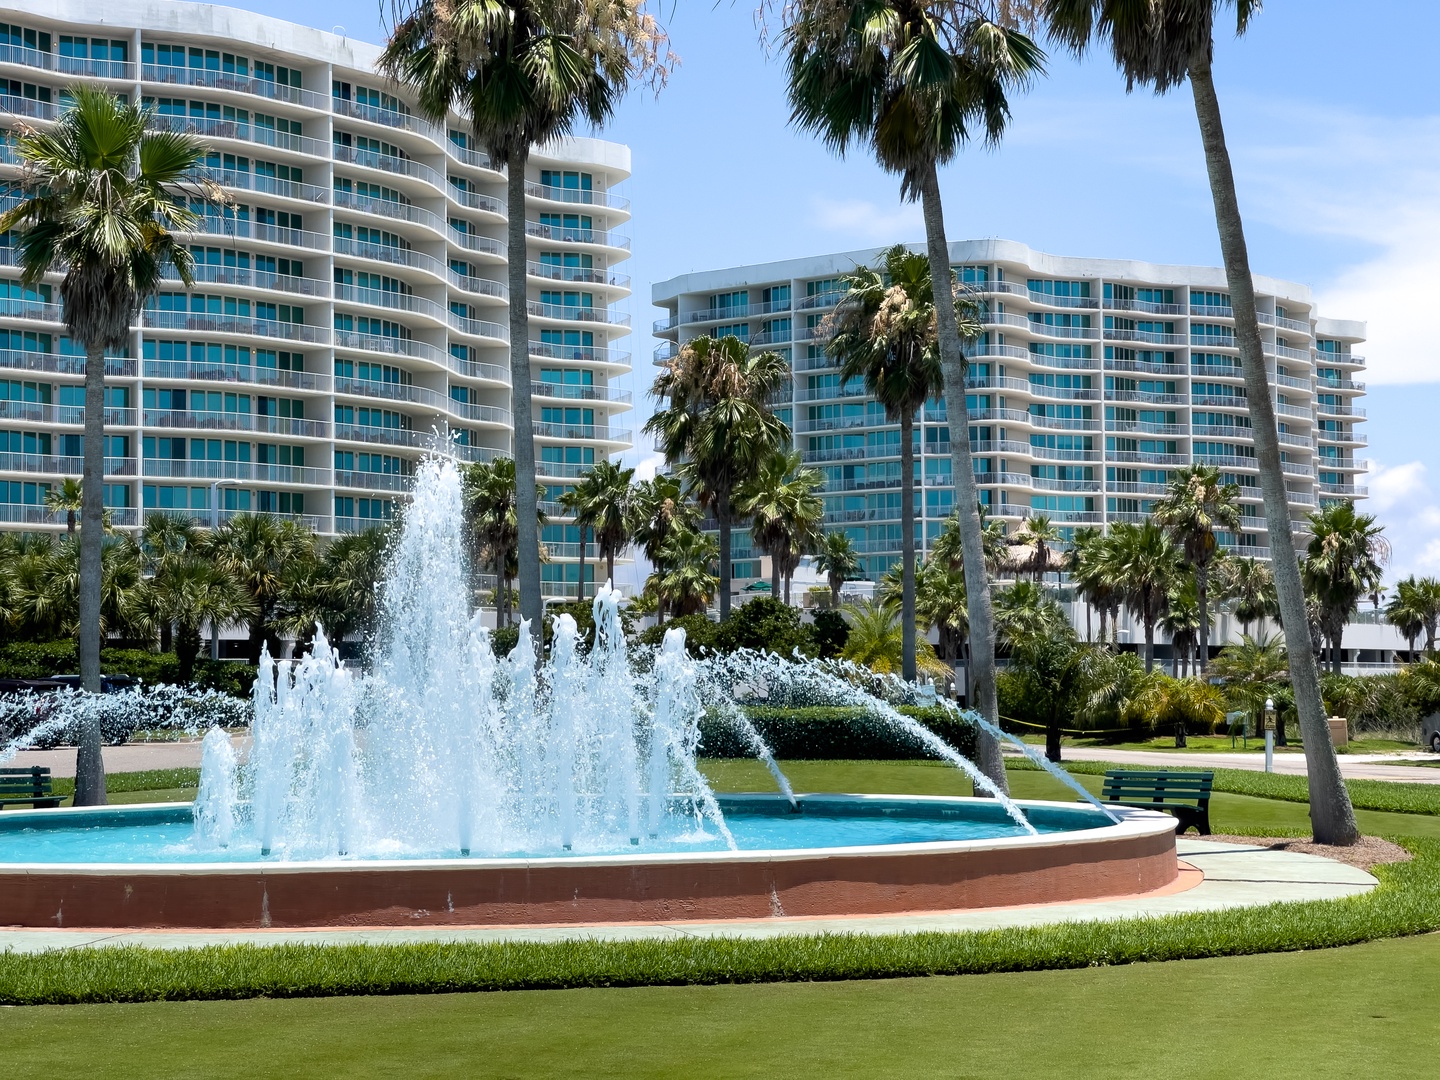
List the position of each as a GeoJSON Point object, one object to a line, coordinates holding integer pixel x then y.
{"type": "Point", "coordinates": [820, 732]}
{"type": "Point", "coordinates": [40, 660]}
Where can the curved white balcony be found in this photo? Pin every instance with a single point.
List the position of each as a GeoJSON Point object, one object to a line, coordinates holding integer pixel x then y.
{"type": "Point", "coordinates": [245, 278]}
{"type": "Point", "coordinates": [62, 364]}
{"type": "Point", "coordinates": [576, 197]}
{"type": "Point", "coordinates": [373, 481]}
{"type": "Point", "coordinates": [1050, 300]}
{"type": "Point", "coordinates": [67, 65]}
{"type": "Point", "coordinates": [251, 471]}
{"type": "Point", "coordinates": [576, 313]}
{"type": "Point", "coordinates": [390, 346]}
{"type": "Point", "coordinates": [578, 275]}
{"type": "Point", "coordinates": [236, 421]}
{"type": "Point", "coordinates": [580, 354]}
{"type": "Point", "coordinates": [268, 89]}
{"type": "Point", "coordinates": [251, 134]}
{"type": "Point", "coordinates": [582, 432]}
{"type": "Point", "coordinates": [1147, 306]}
{"type": "Point", "coordinates": [568, 235]}
{"type": "Point", "coordinates": [231, 324]}
{"type": "Point", "coordinates": [268, 185]}
{"type": "Point", "coordinates": [61, 466]}
{"type": "Point", "coordinates": [571, 392]}
{"type": "Point", "coordinates": [184, 370]}
{"type": "Point", "coordinates": [238, 229]}
{"type": "Point", "coordinates": [67, 415]}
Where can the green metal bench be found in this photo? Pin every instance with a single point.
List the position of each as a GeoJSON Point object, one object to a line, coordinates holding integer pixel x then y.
{"type": "Point", "coordinates": [32, 786]}
{"type": "Point", "coordinates": [1184, 794]}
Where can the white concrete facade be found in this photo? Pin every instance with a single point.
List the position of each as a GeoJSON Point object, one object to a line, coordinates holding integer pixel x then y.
{"type": "Point", "coordinates": [349, 306]}
{"type": "Point", "coordinates": [1094, 379]}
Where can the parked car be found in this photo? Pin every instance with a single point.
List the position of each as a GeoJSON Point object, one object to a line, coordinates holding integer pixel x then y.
{"type": "Point", "coordinates": [1430, 732]}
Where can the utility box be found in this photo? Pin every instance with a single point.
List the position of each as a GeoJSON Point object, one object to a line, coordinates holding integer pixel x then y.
{"type": "Point", "coordinates": [1339, 731]}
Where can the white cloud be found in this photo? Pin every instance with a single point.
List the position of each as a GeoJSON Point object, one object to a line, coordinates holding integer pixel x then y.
{"type": "Point", "coordinates": [646, 465]}
{"type": "Point", "coordinates": [864, 222]}
{"type": "Point", "coordinates": [1401, 496]}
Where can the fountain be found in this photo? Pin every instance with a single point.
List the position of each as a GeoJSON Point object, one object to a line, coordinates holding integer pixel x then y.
{"type": "Point", "coordinates": [448, 785]}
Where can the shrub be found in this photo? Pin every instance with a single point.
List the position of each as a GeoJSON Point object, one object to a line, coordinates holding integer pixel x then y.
{"type": "Point", "coordinates": [830, 632]}
{"type": "Point", "coordinates": [822, 731]}
{"type": "Point", "coordinates": [766, 624]}
{"type": "Point", "coordinates": [700, 633]}
{"type": "Point", "coordinates": [504, 640]}
{"type": "Point", "coordinates": [56, 718]}
{"type": "Point", "coordinates": [40, 660]}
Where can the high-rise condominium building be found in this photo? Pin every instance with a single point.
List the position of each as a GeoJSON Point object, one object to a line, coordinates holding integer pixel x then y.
{"type": "Point", "coordinates": [351, 301]}
{"type": "Point", "coordinates": [1093, 381]}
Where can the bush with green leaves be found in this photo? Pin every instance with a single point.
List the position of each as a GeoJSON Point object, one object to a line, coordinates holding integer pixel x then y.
{"type": "Point", "coordinates": [766, 625]}
{"type": "Point", "coordinates": [830, 631]}
{"type": "Point", "coordinates": [701, 634]}
{"type": "Point", "coordinates": [41, 660]}
{"type": "Point", "coordinates": [817, 732]}
{"type": "Point", "coordinates": [56, 718]}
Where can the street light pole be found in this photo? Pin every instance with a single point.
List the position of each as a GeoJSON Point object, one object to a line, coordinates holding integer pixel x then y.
{"type": "Point", "coordinates": [215, 524]}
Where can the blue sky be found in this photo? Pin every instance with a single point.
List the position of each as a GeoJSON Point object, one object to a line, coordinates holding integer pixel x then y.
{"type": "Point", "coordinates": [1333, 120]}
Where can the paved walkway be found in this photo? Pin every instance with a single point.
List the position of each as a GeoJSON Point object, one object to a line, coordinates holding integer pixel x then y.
{"type": "Point", "coordinates": [132, 757]}
{"type": "Point", "coordinates": [1234, 875]}
{"type": "Point", "coordinates": [1352, 766]}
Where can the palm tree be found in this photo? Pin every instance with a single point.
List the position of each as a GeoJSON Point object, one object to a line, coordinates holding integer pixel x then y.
{"type": "Point", "coordinates": [1145, 564]}
{"type": "Point", "coordinates": [1427, 594]}
{"type": "Point", "coordinates": [1161, 43]}
{"type": "Point", "coordinates": [883, 332]}
{"type": "Point", "coordinates": [67, 499]}
{"type": "Point", "coordinates": [785, 512]}
{"type": "Point", "coordinates": [573, 499]}
{"type": "Point", "coordinates": [1194, 506]}
{"type": "Point", "coordinates": [1406, 611]}
{"type": "Point", "coordinates": [1182, 622]}
{"type": "Point", "coordinates": [102, 210]}
{"type": "Point", "coordinates": [687, 583]}
{"type": "Point", "coordinates": [1344, 562]}
{"type": "Point", "coordinates": [190, 591]}
{"type": "Point", "coordinates": [876, 642]}
{"type": "Point", "coordinates": [838, 560]}
{"type": "Point", "coordinates": [1251, 585]}
{"type": "Point", "coordinates": [1057, 672]}
{"type": "Point", "coordinates": [603, 501]}
{"type": "Point", "coordinates": [341, 590]}
{"type": "Point", "coordinates": [717, 425]}
{"type": "Point", "coordinates": [941, 605]}
{"type": "Point", "coordinates": [661, 510]}
{"type": "Point", "coordinates": [1251, 672]}
{"type": "Point", "coordinates": [1025, 613]}
{"type": "Point", "coordinates": [1183, 703]}
{"type": "Point", "coordinates": [262, 553]}
{"type": "Point", "coordinates": [1088, 570]}
{"type": "Point", "coordinates": [914, 80]}
{"type": "Point", "coordinates": [491, 521]}
{"type": "Point", "coordinates": [522, 72]}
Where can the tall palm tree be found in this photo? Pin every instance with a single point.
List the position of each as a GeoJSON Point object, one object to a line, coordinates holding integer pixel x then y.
{"type": "Point", "coordinates": [67, 499]}
{"type": "Point", "coordinates": [687, 582]}
{"type": "Point", "coordinates": [838, 560]}
{"type": "Point", "coordinates": [603, 502]}
{"type": "Point", "coordinates": [785, 512]}
{"type": "Point", "coordinates": [1427, 594]}
{"type": "Point", "coordinates": [717, 426]}
{"type": "Point", "coordinates": [1251, 672]}
{"type": "Point", "coordinates": [1250, 585]}
{"type": "Point", "coordinates": [1146, 564]}
{"type": "Point", "coordinates": [341, 592]}
{"type": "Point", "coordinates": [261, 553]}
{"type": "Point", "coordinates": [102, 210]}
{"type": "Point", "coordinates": [1161, 44]}
{"type": "Point", "coordinates": [1025, 613]}
{"type": "Point", "coordinates": [661, 510]}
{"type": "Point", "coordinates": [1406, 611]}
{"type": "Point", "coordinates": [1344, 562]}
{"type": "Point", "coordinates": [492, 518]}
{"type": "Point", "coordinates": [1182, 622]}
{"type": "Point", "coordinates": [883, 332]}
{"type": "Point", "coordinates": [522, 72]}
{"type": "Point", "coordinates": [941, 605]}
{"type": "Point", "coordinates": [1194, 506]}
{"type": "Point", "coordinates": [189, 592]}
{"type": "Point", "coordinates": [1086, 564]}
{"type": "Point", "coordinates": [914, 81]}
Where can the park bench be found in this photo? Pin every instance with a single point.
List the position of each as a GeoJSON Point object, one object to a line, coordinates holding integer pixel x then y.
{"type": "Point", "coordinates": [32, 785]}
{"type": "Point", "coordinates": [1184, 794]}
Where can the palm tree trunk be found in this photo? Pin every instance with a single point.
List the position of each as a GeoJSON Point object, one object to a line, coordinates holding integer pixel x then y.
{"type": "Point", "coordinates": [1337, 654]}
{"type": "Point", "coordinates": [775, 560]}
{"type": "Point", "coordinates": [1149, 644]}
{"type": "Point", "coordinates": [907, 540]}
{"type": "Point", "coordinates": [1103, 612]}
{"type": "Point", "coordinates": [981, 668]}
{"type": "Point", "coordinates": [722, 517]}
{"type": "Point", "coordinates": [835, 584]}
{"type": "Point", "coordinates": [89, 762]}
{"type": "Point", "coordinates": [580, 589]}
{"type": "Point", "coordinates": [1331, 815]}
{"type": "Point", "coordinates": [610, 567]}
{"type": "Point", "coordinates": [526, 500]}
{"type": "Point", "coordinates": [1087, 623]}
{"type": "Point", "coordinates": [1202, 652]}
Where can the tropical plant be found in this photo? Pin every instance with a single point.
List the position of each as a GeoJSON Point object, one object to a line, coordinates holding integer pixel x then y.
{"type": "Point", "coordinates": [1251, 672]}
{"type": "Point", "coordinates": [1026, 613]}
{"type": "Point", "coordinates": [1089, 562]}
{"type": "Point", "coordinates": [1250, 586]}
{"type": "Point", "coordinates": [522, 73]}
{"type": "Point", "coordinates": [1406, 611]}
{"type": "Point", "coordinates": [914, 81]}
{"type": "Point", "coordinates": [883, 332]}
{"type": "Point", "coordinates": [941, 605]}
{"type": "Point", "coordinates": [604, 502]}
{"type": "Point", "coordinates": [1038, 535]}
{"type": "Point", "coordinates": [68, 499]}
{"type": "Point", "coordinates": [1344, 562]}
{"type": "Point", "coordinates": [875, 641]}
{"type": "Point", "coordinates": [685, 581]}
{"type": "Point", "coordinates": [1195, 505]}
{"type": "Point", "coordinates": [262, 553]}
{"type": "Point", "coordinates": [1181, 622]}
{"type": "Point", "coordinates": [717, 425]}
{"type": "Point", "coordinates": [838, 560]}
{"type": "Point", "coordinates": [661, 510]}
{"type": "Point", "coordinates": [341, 591]}
{"type": "Point", "coordinates": [1060, 676]}
{"type": "Point", "coordinates": [492, 524]}
{"type": "Point", "coordinates": [190, 591]}
{"type": "Point", "coordinates": [1145, 565]}
{"type": "Point", "coordinates": [1161, 44]}
{"type": "Point", "coordinates": [101, 208]}
{"type": "Point", "coordinates": [1183, 703]}
{"type": "Point", "coordinates": [785, 512]}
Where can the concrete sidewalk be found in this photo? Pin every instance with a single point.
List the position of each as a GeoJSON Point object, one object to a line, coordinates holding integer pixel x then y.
{"type": "Point", "coordinates": [132, 757]}
{"type": "Point", "coordinates": [1352, 766]}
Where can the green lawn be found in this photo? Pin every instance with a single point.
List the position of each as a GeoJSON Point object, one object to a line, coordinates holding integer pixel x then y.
{"type": "Point", "coordinates": [1363, 1011]}
{"type": "Point", "coordinates": [1228, 813]}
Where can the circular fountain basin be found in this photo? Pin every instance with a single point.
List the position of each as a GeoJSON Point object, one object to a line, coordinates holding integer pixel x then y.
{"type": "Point", "coordinates": [136, 867]}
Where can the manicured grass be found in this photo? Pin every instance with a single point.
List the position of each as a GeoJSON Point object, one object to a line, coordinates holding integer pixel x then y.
{"type": "Point", "coordinates": [1248, 814]}
{"type": "Point", "coordinates": [153, 785]}
{"type": "Point", "coordinates": [1362, 1011]}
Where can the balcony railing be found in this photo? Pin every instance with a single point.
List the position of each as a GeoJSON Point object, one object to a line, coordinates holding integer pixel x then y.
{"type": "Point", "coordinates": [238, 373]}
{"type": "Point", "coordinates": [250, 471]}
